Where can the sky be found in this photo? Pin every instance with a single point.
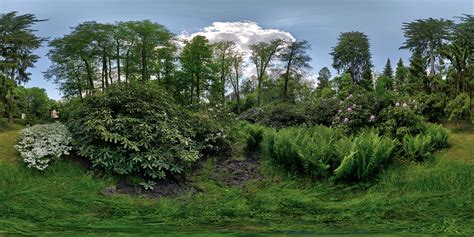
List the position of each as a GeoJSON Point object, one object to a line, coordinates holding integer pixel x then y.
{"type": "Point", "coordinates": [318, 21]}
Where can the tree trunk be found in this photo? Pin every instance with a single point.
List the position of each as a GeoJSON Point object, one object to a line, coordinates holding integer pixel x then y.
{"type": "Point", "coordinates": [287, 78]}
{"type": "Point", "coordinates": [432, 62]}
{"type": "Point", "coordinates": [259, 85]}
{"type": "Point", "coordinates": [127, 62]}
{"type": "Point", "coordinates": [198, 93]}
{"type": "Point", "coordinates": [10, 108]}
{"type": "Point", "coordinates": [105, 73]}
{"type": "Point", "coordinates": [110, 71]}
{"type": "Point", "coordinates": [192, 91]}
{"type": "Point", "coordinates": [144, 64]}
{"type": "Point", "coordinates": [118, 61]}
{"type": "Point", "coordinates": [89, 74]}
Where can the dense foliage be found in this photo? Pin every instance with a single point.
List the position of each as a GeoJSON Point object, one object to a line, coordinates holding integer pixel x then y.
{"type": "Point", "coordinates": [140, 132]}
{"type": "Point", "coordinates": [40, 145]}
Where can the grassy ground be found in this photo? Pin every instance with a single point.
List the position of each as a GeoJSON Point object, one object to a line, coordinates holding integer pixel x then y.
{"type": "Point", "coordinates": [433, 197]}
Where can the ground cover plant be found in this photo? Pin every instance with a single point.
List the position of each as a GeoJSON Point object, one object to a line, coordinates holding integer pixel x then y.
{"type": "Point", "coordinates": [170, 134]}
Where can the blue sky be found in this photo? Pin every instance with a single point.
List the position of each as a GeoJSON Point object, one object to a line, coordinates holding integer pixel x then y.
{"type": "Point", "coordinates": [319, 22]}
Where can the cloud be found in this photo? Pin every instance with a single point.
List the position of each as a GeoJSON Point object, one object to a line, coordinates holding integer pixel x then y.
{"type": "Point", "coordinates": [243, 33]}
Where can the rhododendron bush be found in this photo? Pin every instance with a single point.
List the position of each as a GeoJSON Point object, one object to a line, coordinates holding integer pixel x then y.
{"type": "Point", "coordinates": [39, 145]}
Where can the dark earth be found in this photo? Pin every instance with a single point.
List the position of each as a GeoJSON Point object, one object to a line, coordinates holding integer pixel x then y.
{"type": "Point", "coordinates": [226, 172]}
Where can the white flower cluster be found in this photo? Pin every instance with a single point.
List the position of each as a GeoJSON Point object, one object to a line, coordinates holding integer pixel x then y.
{"type": "Point", "coordinates": [40, 144]}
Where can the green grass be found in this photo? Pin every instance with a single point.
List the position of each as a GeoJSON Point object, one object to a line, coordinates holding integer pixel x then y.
{"type": "Point", "coordinates": [430, 197]}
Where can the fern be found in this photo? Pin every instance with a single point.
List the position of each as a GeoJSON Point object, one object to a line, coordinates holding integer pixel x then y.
{"type": "Point", "coordinates": [418, 148]}
{"type": "Point", "coordinates": [439, 135]}
{"type": "Point", "coordinates": [367, 154]}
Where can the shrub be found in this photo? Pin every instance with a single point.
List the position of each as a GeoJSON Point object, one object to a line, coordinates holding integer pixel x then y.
{"type": "Point", "coordinates": [418, 148]}
{"type": "Point", "coordinates": [3, 124]}
{"type": "Point", "coordinates": [39, 145]}
{"type": "Point", "coordinates": [367, 154]}
{"type": "Point", "coordinates": [321, 110]}
{"type": "Point", "coordinates": [135, 129]}
{"type": "Point", "coordinates": [282, 115]}
{"type": "Point", "coordinates": [209, 133]}
{"type": "Point", "coordinates": [459, 107]}
{"type": "Point", "coordinates": [439, 135]}
{"type": "Point", "coordinates": [400, 120]}
{"type": "Point", "coordinates": [252, 115]}
{"type": "Point", "coordinates": [355, 112]}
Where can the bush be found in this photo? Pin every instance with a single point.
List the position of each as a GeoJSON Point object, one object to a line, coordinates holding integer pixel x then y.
{"type": "Point", "coordinates": [459, 107]}
{"type": "Point", "coordinates": [418, 148]}
{"type": "Point", "coordinates": [439, 135]}
{"type": "Point", "coordinates": [321, 111]}
{"type": "Point", "coordinates": [135, 129]}
{"type": "Point", "coordinates": [355, 112]}
{"type": "Point", "coordinates": [39, 145]}
{"type": "Point", "coordinates": [400, 120]}
{"type": "Point", "coordinates": [209, 133]}
{"type": "Point", "coordinates": [282, 115]}
{"type": "Point", "coordinates": [3, 124]}
{"type": "Point", "coordinates": [367, 154]}
{"type": "Point", "coordinates": [253, 115]}
{"type": "Point", "coordinates": [307, 150]}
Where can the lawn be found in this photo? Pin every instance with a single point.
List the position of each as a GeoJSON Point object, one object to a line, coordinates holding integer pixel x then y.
{"type": "Point", "coordinates": [430, 197]}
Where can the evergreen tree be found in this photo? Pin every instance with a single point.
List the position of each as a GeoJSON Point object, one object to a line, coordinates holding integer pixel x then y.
{"type": "Point", "coordinates": [400, 76]}
{"type": "Point", "coordinates": [387, 70]}
{"type": "Point", "coordinates": [323, 77]}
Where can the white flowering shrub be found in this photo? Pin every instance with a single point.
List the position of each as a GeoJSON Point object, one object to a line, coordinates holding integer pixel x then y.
{"type": "Point", "coordinates": [40, 144]}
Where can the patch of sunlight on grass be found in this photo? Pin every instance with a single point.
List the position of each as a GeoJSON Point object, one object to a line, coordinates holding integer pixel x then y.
{"type": "Point", "coordinates": [8, 153]}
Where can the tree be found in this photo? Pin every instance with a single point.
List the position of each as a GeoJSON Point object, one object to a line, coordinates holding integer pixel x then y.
{"type": "Point", "coordinates": [196, 62]}
{"type": "Point", "coordinates": [428, 36]}
{"type": "Point", "coordinates": [235, 76]}
{"type": "Point", "coordinates": [323, 77]}
{"type": "Point", "coordinates": [400, 75]}
{"type": "Point", "coordinates": [262, 55]}
{"type": "Point", "coordinates": [460, 51]}
{"type": "Point", "coordinates": [147, 37]}
{"type": "Point", "coordinates": [418, 81]}
{"type": "Point", "coordinates": [296, 61]}
{"type": "Point", "coordinates": [223, 53]}
{"type": "Point", "coordinates": [352, 54]}
{"type": "Point", "coordinates": [387, 70]}
{"type": "Point", "coordinates": [17, 42]}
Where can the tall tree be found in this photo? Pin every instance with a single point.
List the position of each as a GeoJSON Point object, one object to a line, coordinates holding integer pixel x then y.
{"type": "Point", "coordinates": [223, 53]}
{"type": "Point", "coordinates": [196, 62]}
{"type": "Point", "coordinates": [17, 42]}
{"type": "Point", "coordinates": [323, 77]}
{"type": "Point", "coordinates": [262, 55]}
{"type": "Point", "coordinates": [418, 80]}
{"type": "Point", "coordinates": [460, 51]}
{"type": "Point", "coordinates": [387, 70]}
{"type": "Point", "coordinates": [235, 75]}
{"type": "Point", "coordinates": [147, 37]}
{"type": "Point", "coordinates": [400, 76]}
{"type": "Point", "coordinates": [428, 36]}
{"type": "Point", "coordinates": [296, 61]}
{"type": "Point", "coordinates": [352, 54]}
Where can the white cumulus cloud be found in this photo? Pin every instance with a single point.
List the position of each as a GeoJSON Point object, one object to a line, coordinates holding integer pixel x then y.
{"type": "Point", "coordinates": [243, 33]}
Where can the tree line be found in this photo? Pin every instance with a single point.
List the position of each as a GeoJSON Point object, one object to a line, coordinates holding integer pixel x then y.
{"type": "Point", "coordinates": [197, 72]}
